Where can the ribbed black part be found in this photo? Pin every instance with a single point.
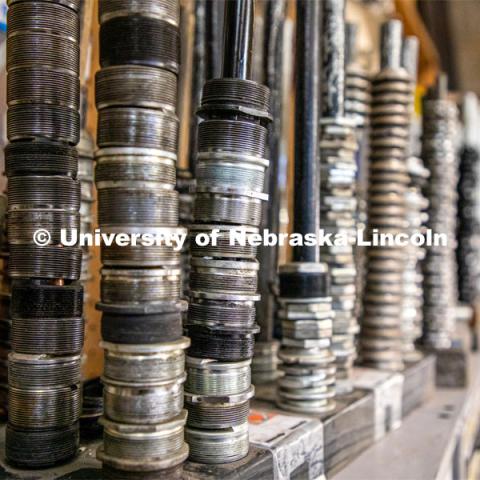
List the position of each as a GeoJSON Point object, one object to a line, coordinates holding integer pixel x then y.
{"type": "Point", "coordinates": [141, 329]}
{"type": "Point", "coordinates": [138, 40]}
{"type": "Point", "coordinates": [304, 285]}
{"type": "Point", "coordinates": [223, 346]}
{"type": "Point", "coordinates": [40, 448]}
{"type": "Point", "coordinates": [30, 300]}
{"type": "Point", "coordinates": [32, 121]}
{"type": "Point", "coordinates": [41, 158]}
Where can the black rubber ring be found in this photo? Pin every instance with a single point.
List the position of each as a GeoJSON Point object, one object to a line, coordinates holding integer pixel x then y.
{"type": "Point", "coordinates": [304, 285]}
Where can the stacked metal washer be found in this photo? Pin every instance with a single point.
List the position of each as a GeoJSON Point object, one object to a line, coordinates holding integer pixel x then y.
{"type": "Point", "coordinates": [144, 372]}
{"type": "Point", "coordinates": [5, 297]}
{"type": "Point", "coordinates": [468, 233]}
{"type": "Point", "coordinates": [41, 164]}
{"type": "Point", "coordinates": [231, 167]}
{"type": "Point", "coordinates": [305, 305]}
{"type": "Point", "coordinates": [381, 340]}
{"type": "Point", "coordinates": [357, 83]}
{"type": "Point", "coordinates": [357, 107]}
{"type": "Point", "coordinates": [416, 205]}
{"type": "Point", "coordinates": [440, 268]}
{"type": "Point", "coordinates": [338, 145]}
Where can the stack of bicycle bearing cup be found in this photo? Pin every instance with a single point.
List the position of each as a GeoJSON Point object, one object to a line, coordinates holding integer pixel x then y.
{"type": "Point", "coordinates": [439, 267]}
{"type": "Point", "coordinates": [381, 337]}
{"type": "Point", "coordinates": [338, 204]}
{"type": "Point", "coordinates": [136, 94]}
{"type": "Point", "coordinates": [231, 169]}
{"type": "Point", "coordinates": [44, 193]}
{"type": "Point", "coordinates": [5, 296]}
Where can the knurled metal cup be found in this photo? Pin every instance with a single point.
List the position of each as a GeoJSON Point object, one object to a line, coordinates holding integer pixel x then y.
{"type": "Point", "coordinates": [164, 253]}
{"type": "Point", "coordinates": [51, 261]}
{"type": "Point", "coordinates": [223, 275]}
{"type": "Point", "coordinates": [32, 299]}
{"type": "Point", "coordinates": [44, 407]}
{"type": "Point", "coordinates": [22, 224]}
{"type": "Point", "coordinates": [73, 4]}
{"type": "Point", "coordinates": [148, 364]}
{"type": "Point", "coordinates": [44, 192]}
{"type": "Point", "coordinates": [136, 403]}
{"type": "Point", "coordinates": [167, 10]}
{"type": "Point", "coordinates": [218, 446]}
{"type": "Point", "coordinates": [43, 17]}
{"type": "Point", "coordinates": [139, 255]}
{"type": "Point", "coordinates": [45, 50]}
{"type": "Point", "coordinates": [143, 447]}
{"type": "Point", "coordinates": [140, 285]}
{"type": "Point", "coordinates": [229, 173]}
{"type": "Point", "coordinates": [40, 448]}
{"type": "Point", "coordinates": [40, 157]}
{"type": "Point", "coordinates": [135, 164]}
{"type": "Point", "coordinates": [42, 371]}
{"type": "Point", "coordinates": [236, 95]}
{"type": "Point", "coordinates": [136, 206]}
{"type": "Point", "coordinates": [137, 127]}
{"type": "Point", "coordinates": [47, 336]}
{"type": "Point", "coordinates": [35, 85]}
{"type": "Point", "coordinates": [209, 377]}
{"type": "Point", "coordinates": [233, 136]}
{"type": "Point", "coordinates": [136, 86]}
{"type": "Point", "coordinates": [222, 345]}
{"type": "Point", "coordinates": [225, 207]}
{"type": "Point", "coordinates": [205, 310]}
{"type": "Point", "coordinates": [32, 121]}
{"type": "Point", "coordinates": [212, 416]}
{"type": "Point", "coordinates": [139, 40]}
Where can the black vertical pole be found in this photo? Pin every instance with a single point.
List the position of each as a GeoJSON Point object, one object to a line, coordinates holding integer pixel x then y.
{"type": "Point", "coordinates": [306, 194]}
{"type": "Point", "coordinates": [237, 58]}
